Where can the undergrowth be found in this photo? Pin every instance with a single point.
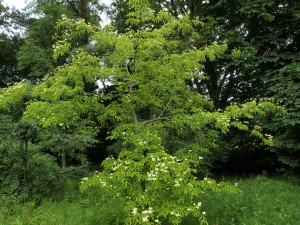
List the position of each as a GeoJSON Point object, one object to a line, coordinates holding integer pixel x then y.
{"type": "Point", "coordinates": [261, 201]}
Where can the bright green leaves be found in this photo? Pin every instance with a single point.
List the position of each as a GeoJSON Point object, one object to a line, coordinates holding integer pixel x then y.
{"type": "Point", "coordinates": [62, 98]}
{"type": "Point", "coordinates": [69, 80]}
{"type": "Point", "coordinates": [140, 14]}
{"type": "Point", "coordinates": [149, 69]}
{"type": "Point", "coordinates": [15, 96]}
{"type": "Point", "coordinates": [158, 187]}
{"type": "Point", "coordinates": [74, 34]}
{"type": "Point", "coordinates": [64, 114]}
{"type": "Point", "coordinates": [241, 116]}
{"type": "Point", "coordinates": [149, 107]}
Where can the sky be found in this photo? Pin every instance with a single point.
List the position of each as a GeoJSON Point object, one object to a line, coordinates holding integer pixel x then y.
{"type": "Point", "coordinates": [19, 4]}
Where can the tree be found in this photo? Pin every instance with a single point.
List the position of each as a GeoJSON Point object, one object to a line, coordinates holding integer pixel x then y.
{"type": "Point", "coordinates": [23, 165]}
{"type": "Point", "coordinates": [10, 42]}
{"type": "Point", "coordinates": [149, 70]}
{"type": "Point", "coordinates": [35, 57]}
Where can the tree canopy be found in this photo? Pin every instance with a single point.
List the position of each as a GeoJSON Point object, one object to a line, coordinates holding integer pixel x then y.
{"type": "Point", "coordinates": [173, 89]}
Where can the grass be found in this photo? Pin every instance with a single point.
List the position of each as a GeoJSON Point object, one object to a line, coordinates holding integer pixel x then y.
{"type": "Point", "coordinates": [261, 201]}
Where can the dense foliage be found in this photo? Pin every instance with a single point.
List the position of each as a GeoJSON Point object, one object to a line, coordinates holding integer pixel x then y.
{"type": "Point", "coordinates": [176, 91]}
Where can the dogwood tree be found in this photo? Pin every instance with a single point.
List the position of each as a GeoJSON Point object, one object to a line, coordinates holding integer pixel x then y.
{"type": "Point", "coordinates": [148, 67]}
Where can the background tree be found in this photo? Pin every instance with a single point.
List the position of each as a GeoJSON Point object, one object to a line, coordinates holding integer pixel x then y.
{"type": "Point", "coordinates": [10, 43]}
{"type": "Point", "coordinates": [35, 57]}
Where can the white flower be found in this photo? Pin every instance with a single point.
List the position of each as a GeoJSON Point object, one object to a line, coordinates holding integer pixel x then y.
{"type": "Point", "coordinates": [198, 205]}
{"type": "Point", "coordinates": [152, 175]}
{"type": "Point", "coordinates": [149, 211]}
{"type": "Point", "coordinates": [156, 221]}
{"type": "Point", "coordinates": [134, 211]}
{"type": "Point", "coordinates": [203, 213]}
{"type": "Point", "coordinates": [176, 183]}
{"type": "Point", "coordinates": [145, 219]}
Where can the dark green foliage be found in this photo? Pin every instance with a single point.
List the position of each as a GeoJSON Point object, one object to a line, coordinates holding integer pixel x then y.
{"type": "Point", "coordinates": [24, 171]}
{"type": "Point", "coordinates": [34, 60]}
{"type": "Point", "coordinates": [8, 60]}
{"type": "Point", "coordinates": [285, 86]}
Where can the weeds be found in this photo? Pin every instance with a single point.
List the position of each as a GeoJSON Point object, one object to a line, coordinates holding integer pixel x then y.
{"type": "Point", "coordinates": [261, 201]}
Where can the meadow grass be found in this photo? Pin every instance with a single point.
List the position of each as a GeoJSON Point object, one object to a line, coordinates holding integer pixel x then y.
{"type": "Point", "coordinates": [261, 201]}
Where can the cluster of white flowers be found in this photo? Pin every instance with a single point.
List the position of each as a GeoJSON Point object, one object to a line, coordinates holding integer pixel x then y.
{"type": "Point", "coordinates": [198, 205]}
{"type": "Point", "coordinates": [116, 166]}
{"type": "Point", "coordinates": [84, 179]}
{"type": "Point", "coordinates": [160, 167]}
{"type": "Point", "coordinates": [134, 211]}
{"type": "Point", "coordinates": [103, 183]}
{"type": "Point", "coordinates": [142, 142]}
{"type": "Point", "coordinates": [148, 211]}
{"type": "Point", "coordinates": [175, 214]}
{"type": "Point", "coordinates": [152, 175]}
{"type": "Point", "coordinates": [146, 218]}
{"type": "Point", "coordinates": [256, 127]}
{"type": "Point", "coordinates": [224, 119]}
{"type": "Point", "coordinates": [126, 162]}
{"type": "Point", "coordinates": [177, 182]}
{"type": "Point", "coordinates": [269, 136]}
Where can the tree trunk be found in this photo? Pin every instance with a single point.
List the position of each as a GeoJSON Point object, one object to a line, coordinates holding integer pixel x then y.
{"type": "Point", "coordinates": [25, 163]}
{"type": "Point", "coordinates": [63, 160]}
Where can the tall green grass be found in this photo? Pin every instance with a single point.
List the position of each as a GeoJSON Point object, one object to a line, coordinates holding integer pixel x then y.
{"type": "Point", "coordinates": [74, 208]}
{"type": "Point", "coordinates": [261, 201]}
